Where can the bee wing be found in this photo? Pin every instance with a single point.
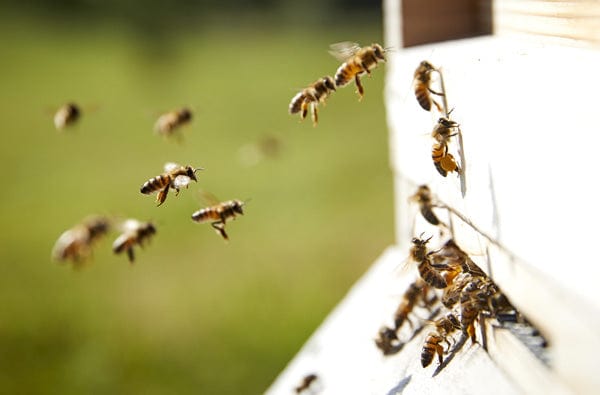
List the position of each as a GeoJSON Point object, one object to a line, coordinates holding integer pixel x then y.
{"type": "Point", "coordinates": [171, 166]}
{"type": "Point", "coordinates": [343, 50]}
{"type": "Point", "coordinates": [181, 181]}
{"type": "Point", "coordinates": [208, 197]}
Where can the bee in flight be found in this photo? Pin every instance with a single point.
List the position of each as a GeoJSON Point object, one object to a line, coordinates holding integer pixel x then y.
{"type": "Point", "coordinates": [134, 233]}
{"type": "Point", "coordinates": [422, 86]}
{"type": "Point", "coordinates": [76, 243]}
{"type": "Point", "coordinates": [175, 176]}
{"type": "Point", "coordinates": [357, 61]}
{"type": "Point", "coordinates": [169, 123]}
{"type": "Point", "coordinates": [311, 96]}
{"type": "Point", "coordinates": [67, 115]}
{"type": "Point", "coordinates": [219, 214]}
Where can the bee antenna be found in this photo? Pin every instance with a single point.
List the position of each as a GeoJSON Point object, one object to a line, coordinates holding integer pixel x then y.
{"type": "Point", "coordinates": [198, 168]}
{"type": "Point", "coordinates": [246, 201]}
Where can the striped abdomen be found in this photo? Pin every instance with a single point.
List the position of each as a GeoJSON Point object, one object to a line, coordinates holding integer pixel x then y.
{"type": "Point", "coordinates": [422, 95]}
{"type": "Point", "coordinates": [155, 184]}
{"type": "Point", "coordinates": [296, 103]}
{"type": "Point", "coordinates": [431, 275]}
{"type": "Point", "coordinates": [207, 214]}
{"type": "Point", "coordinates": [346, 72]}
{"type": "Point", "coordinates": [430, 348]}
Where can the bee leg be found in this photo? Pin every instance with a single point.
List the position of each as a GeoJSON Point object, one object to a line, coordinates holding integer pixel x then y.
{"type": "Point", "coordinates": [315, 115]}
{"type": "Point", "coordinates": [220, 228]}
{"type": "Point", "coordinates": [304, 109]}
{"type": "Point", "coordinates": [359, 86]}
{"type": "Point", "coordinates": [435, 93]}
{"type": "Point", "coordinates": [440, 352]}
{"type": "Point", "coordinates": [130, 254]}
{"type": "Point", "coordinates": [162, 195]}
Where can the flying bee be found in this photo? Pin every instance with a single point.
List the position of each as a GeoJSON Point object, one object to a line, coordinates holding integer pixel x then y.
{"type": "Point", "coordinates": [306, 382]}
{"type": "Point", "coordinates": [357, 61]}
{"type": "Point", "coordinates": [175, 176]}
{"type": "Point", "coordinates": [311, 96]}
{"type": "Point", "coordinates": [66, 115]}
{"type": "Point", "coordinates": [433, 343]}
{"type": "Point", "coordinates": [167, 124]}
{"type": "Point", "coordinates": [76, 243]}
{"type": "Point", "coordinates": [219, 214]}
{"type": "Point", "coordinates": [443, 161]}
{"type": "Point", "coordinates": [422, 86]}
{"type": "Point", "coordinates": [134, 233]}
{"type": "Point", "coordinates": [425, 200]}
{"type": "Point", "coordinates": [431, 273]}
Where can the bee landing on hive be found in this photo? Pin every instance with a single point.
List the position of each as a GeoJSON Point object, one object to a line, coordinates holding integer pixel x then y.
{"type": "Point", "coordinates": [357, 61]}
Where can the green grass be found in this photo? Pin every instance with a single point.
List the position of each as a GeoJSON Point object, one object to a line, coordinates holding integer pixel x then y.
{"type": "Point", "coordinates": [194, 314]}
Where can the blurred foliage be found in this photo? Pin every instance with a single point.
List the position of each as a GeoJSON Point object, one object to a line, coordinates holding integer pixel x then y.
{"type": "Point", "coordinates": [194, 314]}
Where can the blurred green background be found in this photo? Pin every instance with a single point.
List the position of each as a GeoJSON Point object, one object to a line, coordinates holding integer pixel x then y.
{"type": "Point", "coordinates": [194, 314]}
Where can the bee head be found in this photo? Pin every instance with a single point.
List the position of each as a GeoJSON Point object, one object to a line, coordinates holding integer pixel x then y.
{"type": "Point", "coordinates": [238, 207]}
{"type": "Point", "coordinates": [447, 123]}
{"type": "Point", "coordinates": [378, 51]}
{"type": "Point", "coordinates": [191, 172]}
{"type": "Point", "coordinates": [185, 114]}
{"type": "Point", "coordinates": [73, 109]}
{"type": "Point", "coordinates": [150, 228]}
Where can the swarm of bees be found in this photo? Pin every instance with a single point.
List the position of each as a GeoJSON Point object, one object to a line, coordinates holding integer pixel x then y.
{"type": "Point", "coordinates": [356, 60]}
{"type": "Point", "coordinates": [449, 282]}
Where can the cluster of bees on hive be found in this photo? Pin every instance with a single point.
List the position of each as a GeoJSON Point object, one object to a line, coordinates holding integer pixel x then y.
{"type": "Point", "coordinates": [454, 292]}
{"type": "Point", "coordinates": [75, 244]}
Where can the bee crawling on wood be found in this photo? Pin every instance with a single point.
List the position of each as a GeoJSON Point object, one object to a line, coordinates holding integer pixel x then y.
{"type": "Point", "coordinates": [422, 84]}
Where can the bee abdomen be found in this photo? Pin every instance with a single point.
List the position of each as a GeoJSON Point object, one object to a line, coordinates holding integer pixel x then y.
{"type": "Point", "coordinates": [431, 276]}
{"type": "Point", "coordinates": [205, 214]}
{"type": "Point", "coordinates": [423, 97]}
{"type": "Point", "coordinates": [343, 75]}
{"type": "Point", "coordinates": [155, 183]}
{"type": "Point", "coordinates": [430, 348]}
{"type": "Point", "coordinates": [430, 216]}
{"type": "Point", "coordinates": [296, 103]}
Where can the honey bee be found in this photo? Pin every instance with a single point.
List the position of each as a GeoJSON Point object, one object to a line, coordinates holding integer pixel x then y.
{"type": "Point", "coordinates": [411, 297]}
{"type": "Point", "coordinates": [433, 343]}
{"type": "Point", "coordinates": [314, 94]}
{"type": "Point", "coordinates": [387, 341]}
{"type": "Point", "coordinates": [167, 124]}
{"type": "Point", "coordinates": [357, 61]}
{"type": "Point", "coordinates": [134, 233]}
{"type": "Point", "coordinates": [452, 294]}
{"type": "Point", "coordinates": [424, 199]}
{"type": "Point", "coordinates": [431, 273]}
{"type": "Point", "coordinates": [443, 161]}
{"type": "Point", "coordinates": [422, 86]}
{"type": "Point", "coordinates": [306, 382]}
{"type": "Point", "coordinates": [442, 130]}
{"type": "Point", "coordinates": [219, 214]}
{"type": "Point", "coordinates": [75, 244]}
{"type": "Point", "coordinates": [472, 302]}
{"type": "Point", "coordinates": [175, 176]}
{"type": "Point", "coordinates": [66, 115]}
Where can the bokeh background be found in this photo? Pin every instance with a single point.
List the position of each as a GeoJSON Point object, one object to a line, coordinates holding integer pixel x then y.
{"type": "Point", "coordinates": [194, 314]}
